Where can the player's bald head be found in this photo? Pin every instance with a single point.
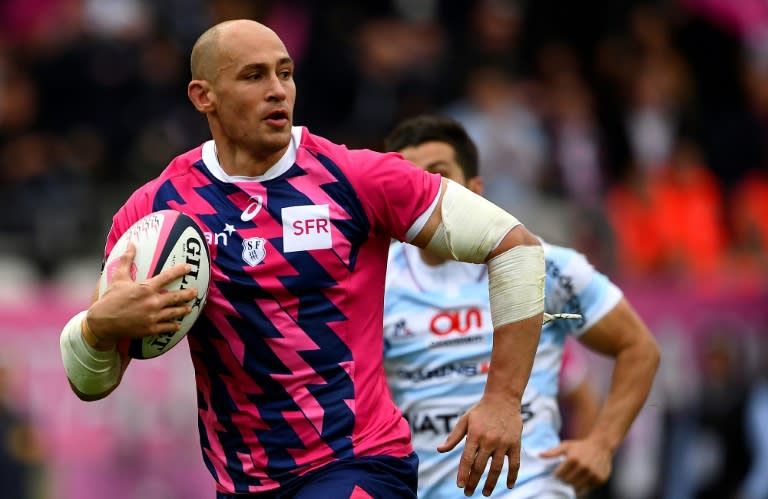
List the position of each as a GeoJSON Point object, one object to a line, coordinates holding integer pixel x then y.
{"type": "Point", "coordinates": [210, 46]}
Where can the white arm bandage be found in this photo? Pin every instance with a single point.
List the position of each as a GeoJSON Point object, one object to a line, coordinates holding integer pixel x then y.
{"type": "Point", "coordinates": [470, 229]}
{"type": "Point", "coordinates": [516, 284]}
{"type": "Point", "coordinates": [91, 371]}
{"type": "Point", "coordinates": [471, 226]}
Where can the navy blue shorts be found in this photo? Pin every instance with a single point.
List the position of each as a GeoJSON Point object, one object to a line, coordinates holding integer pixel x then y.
{"type": "Point", "coordinates": [379, 477]}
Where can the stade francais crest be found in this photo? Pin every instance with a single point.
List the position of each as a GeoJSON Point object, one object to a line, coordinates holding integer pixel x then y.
{"type": "Point", "coordinates": [254, 250]}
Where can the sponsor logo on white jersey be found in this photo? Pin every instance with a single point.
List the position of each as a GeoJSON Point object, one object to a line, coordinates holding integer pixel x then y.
{"type": "Point", "coordinates": [306, 228]}
{"type": "Point", "coordinates": [462, 321]}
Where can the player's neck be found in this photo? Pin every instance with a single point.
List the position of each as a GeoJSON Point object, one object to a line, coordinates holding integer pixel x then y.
{"type": "Point", "coordinates": [238, 162]}
{"type": "Point", "coordinates": [430, 258]}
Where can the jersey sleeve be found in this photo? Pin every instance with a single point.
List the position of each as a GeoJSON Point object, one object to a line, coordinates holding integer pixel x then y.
{"type": "Point", "coordinates": [396, 194]}
{"type": "Point", "coordinates": [574, 286]}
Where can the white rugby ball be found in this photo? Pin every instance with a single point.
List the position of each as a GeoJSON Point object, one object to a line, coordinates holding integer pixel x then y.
{"type": "Point", "coordinates": [164, 239]}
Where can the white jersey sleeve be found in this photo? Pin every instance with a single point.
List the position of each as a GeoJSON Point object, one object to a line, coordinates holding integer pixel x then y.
{"type": "Point", "coordinates": [573, 285]}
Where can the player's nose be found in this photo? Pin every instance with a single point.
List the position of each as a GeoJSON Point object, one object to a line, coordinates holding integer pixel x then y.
{"type": "Point", "coordinates": [277, 90]}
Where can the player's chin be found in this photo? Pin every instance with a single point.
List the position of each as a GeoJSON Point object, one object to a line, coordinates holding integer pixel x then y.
{"type": "Point", "coordinates": [277, 137]}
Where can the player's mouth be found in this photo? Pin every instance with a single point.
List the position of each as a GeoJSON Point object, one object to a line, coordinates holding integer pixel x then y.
{"type": "Point", "coordinates": [278, 118]}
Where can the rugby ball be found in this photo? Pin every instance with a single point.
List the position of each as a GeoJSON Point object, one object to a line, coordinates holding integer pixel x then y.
{"type": "Point", "coordinates": [164, 239]}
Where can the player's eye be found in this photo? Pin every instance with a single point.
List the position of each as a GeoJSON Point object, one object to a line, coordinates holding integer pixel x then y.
{"type": "Point", "coordinates": [285, 74]}
{"type": "Point", "coordinates": [440, 171]}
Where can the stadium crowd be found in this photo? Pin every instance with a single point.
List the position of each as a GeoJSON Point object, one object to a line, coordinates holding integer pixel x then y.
{"type": "Point", "coordinates": [635, 131]}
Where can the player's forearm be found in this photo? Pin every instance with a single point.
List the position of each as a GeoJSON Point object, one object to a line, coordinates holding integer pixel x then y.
{"type": "Point", "coordinates": [92, 373]}
{"type": "Point", "coordinates": [514, 347]}
{"type": "Point", "coordinates": [633, 373]}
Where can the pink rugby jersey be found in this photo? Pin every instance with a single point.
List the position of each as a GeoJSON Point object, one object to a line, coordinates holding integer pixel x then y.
{"type": "Point", "coordinates": [288, 351]}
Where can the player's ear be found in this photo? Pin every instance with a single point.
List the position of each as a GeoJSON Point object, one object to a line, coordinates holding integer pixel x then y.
{"type": "Point", "coordinates": [201, 95]}
{"type": "Point", "coordinates": [476, 185]}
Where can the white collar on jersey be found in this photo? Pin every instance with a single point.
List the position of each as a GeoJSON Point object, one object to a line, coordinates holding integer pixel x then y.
{"type": "Point", "coordinates": [211, 161]}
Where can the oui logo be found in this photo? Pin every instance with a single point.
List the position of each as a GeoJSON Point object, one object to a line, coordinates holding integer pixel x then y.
{"type": "Point", "coordinates": [456, 321]}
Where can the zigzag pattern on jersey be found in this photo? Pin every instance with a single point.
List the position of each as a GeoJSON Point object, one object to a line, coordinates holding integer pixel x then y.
{"type": "Point", "coordinates": [356, 229]}
{"type": "Point", "coordinates": [267, 359]}
{"type": "Point", "coordinates": [224, 440]}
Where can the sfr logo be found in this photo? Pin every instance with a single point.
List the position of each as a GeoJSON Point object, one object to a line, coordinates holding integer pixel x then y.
{"type": "Point", "coordinates": [310, 226]}
{"type": "Point", "coordinates": [306, 227]}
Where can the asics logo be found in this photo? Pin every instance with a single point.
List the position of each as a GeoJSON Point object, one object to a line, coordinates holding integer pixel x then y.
{"type": "Point", "coordinates": [252, 209]}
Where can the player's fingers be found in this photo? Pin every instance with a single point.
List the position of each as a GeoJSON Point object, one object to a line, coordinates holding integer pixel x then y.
{"type": "Point", "coordinates": [554, 451]}
{"type": "Point", "coordinates": [173, 313]}
{"type": "Point", "coordinates": [167, 276]}
{"type": "Point", "coordinates": [465, 463]}
{"type": "Point", "coordinates": [567, 471]}
{"type": "Point", "coordinates": [122, 270]}
{"type": "Point", "coordinates": [584, 479]}
{"type": "Point", "coordinates": [476, 471]}
{"type": "Point", "coordinates": [497, 463]}
{"type": "Point", "coordinates": [174, 298]}
{"type": "Point", "coordinates": [455, 436]}
{"type": "Point", "coordinates": [513, 455]}
{"type": "Point", "coordinates": [164, 327]}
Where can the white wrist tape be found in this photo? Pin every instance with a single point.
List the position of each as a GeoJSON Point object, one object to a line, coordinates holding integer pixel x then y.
{"type": "Point", "coordinates": [471, 226]}
{"type": "Point", "coordinates": [91, 371]}
{"type": "Point", "coordinates": [554, 317]}
{"type": "Point", "coordinates": [516, 284]}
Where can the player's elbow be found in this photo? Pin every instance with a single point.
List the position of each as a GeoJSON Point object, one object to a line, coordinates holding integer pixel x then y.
{"type": "Point", "coordinates": [652, 353]}
{"type": "Point", "coordinates": [517, 236]}
{"type": "Point", "coordinates": [645, 352]}
{"type": "Point", "coordinates": [90, 397]}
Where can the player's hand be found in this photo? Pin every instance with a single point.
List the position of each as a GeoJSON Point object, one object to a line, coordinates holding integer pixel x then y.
{"type": "Point", "coordinates": [129, 309]}
{"type": "Point", "coordinates": [493, 428]}
{"type": "Point", "coordinates": [587, 463]}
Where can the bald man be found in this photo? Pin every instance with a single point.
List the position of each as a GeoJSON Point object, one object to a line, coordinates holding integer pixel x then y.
{"type": "Point", "coordinates": [292, 395]}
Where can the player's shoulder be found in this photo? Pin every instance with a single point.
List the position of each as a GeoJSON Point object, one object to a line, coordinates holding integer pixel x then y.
{"type": "Point", "coordinates": [567, 266]}
{"type": "Point", "coordinates": [346, 157]}
{"type": "Point", "coordinates": [317, 144]}
{"type": "Point", "coordinates": [564, 258]}
{"type": "Point", "coordinates": [182, 164]}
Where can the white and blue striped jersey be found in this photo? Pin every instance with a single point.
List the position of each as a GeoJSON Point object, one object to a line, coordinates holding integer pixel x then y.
{"type": "Point", "coordinates": [438, 338]}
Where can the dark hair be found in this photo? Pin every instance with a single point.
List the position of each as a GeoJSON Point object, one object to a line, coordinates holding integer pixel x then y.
{"type": "Point", "coordinates": [432, 128]}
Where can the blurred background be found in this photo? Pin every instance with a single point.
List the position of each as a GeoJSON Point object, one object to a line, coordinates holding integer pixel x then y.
{"type": "Point", "coordinates": [635, 131]}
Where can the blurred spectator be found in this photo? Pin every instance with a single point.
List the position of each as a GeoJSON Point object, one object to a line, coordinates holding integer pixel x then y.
{"type": "Point", "coordinates": [630, 208]}
{"type": "Point", "coordinates": [499, 117]}
{"type": "Point", "coordinates": [725, 452]}
{"type": "Point", "coordinates": [568, 108]}
{"type": "Point", "coordinates": [670, 221]}
{"type": "Point", "coordinates": [20, 452]}
{"type": "Point", "coordinates": [18, 97]}
{"type": "Point", "coordinates": [398, 70]}
{"type": "Point", "coordinates": [43, 201]}
{"type": "Point", "coordinates": [750, 219]}
{"type": "Point", "coordinates": [755, 484]}
{"type": "Point", "coordinates": [689, 213]}
{"type": "Point", "coordinates": [659, 92]}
